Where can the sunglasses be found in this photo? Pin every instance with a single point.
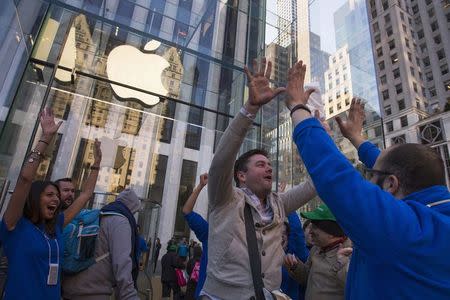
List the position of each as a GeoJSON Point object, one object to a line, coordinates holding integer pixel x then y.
{"type": "Point", "coordinates": [370, 173]}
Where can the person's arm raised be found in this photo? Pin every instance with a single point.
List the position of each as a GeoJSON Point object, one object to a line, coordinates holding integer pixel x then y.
{"type": "Point", "coordinates": [14, 211]}
{"type": "Point", "coordinates": [220, 174]}
{"type": "Point", "coordinates": [352, 130]}
{"type": "Point", "coordinates": [188, 207]}
{"type": "Point", "coordinates": [88, 187]}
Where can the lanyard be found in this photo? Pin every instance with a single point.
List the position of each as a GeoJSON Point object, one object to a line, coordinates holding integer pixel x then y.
{"type": "Point", "coordinates": [438, 203]}
{"type": "Point", "coordinates": [50, 248]}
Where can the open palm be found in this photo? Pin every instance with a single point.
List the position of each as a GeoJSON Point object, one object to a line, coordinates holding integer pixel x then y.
{"type": "Point", "coordinates": [48, 124]}
{"type": "Point", "coordinates": [260, 91]}
{"type": "Point", "coordinates": [352, 127]}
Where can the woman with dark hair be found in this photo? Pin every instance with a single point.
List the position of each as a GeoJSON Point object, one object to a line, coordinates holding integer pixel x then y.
{"type": "Point", "coordinates": [32, 225]}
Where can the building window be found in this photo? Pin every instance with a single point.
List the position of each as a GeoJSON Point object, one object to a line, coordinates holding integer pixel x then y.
{"type": "Point", "coordinates": [347, 101]}
{"type": "Point", "coordinates": [437, 39]}
{"type": "Point", "coordinates": [394, 58]}
{"type": "Point", "coordinates": [415, 9]}
{"type": "Point", "coordinates": [387, 110]}
{"type": "Point", "coordinates": [423, 48]}
{"type": "Point", "coordinates": [407, 42]}
{"type": "Point", "coordinates": [383, 79]}
{"type": "Point", "coordinates": [402, 16]}
{"type": "Point", "coordinates": [409, 57]}
{"type": "Point", "coordinates": [338, 94]}
{"type": "Point", "coordinates": [412, 70]}
{"type": "Point", "coordinates": [444, 69]}
{"type": "Point", "coordinates": [339, 106]}
{"type": "Point", "coordinates": [187, 183]}
{"type": "Point", "coordinates": [380, 52]}
{"type": "Point", "coordinates": [330, 99]}
{"type": "Point", "coordinates": [330, 110]}
{"type": "Point", "coordinates": [346, 90]}
{"type": "Point", "coordinates": [415, 87]}
{"type": "Point", "coordinates": [389, 126]}
{"type": "Point", "coordinates": [404, 28]}
{"type": "Point", "coordinates": [420, 34]}
{"type": "Point", "coordinates": [396, 73]}
{"type": "Point", "coordinates": [401, 139]}
{"type": "Point", "coordinates": [385, 5]}
{"type": "Point", "coordinates": [434, 26]}
{"type": "Point", "coordinates": [398, 88]}
{"type": "Point", "coordinates": [447, 85]}
{"type": "Point", "coordinates": [338, 82]}
{"type": "Point", "coordinates": [431, 12]}
{"type": "Point", "coordinates": [440, 54]}
{"type": "Point", "coordinates": [159, 167]}
{"type": "Point", "coordinates": [387, 18]}
{"type": "Point", "coordinates": [401, 104]}
{"type": "Point", "coordinates": [377, 39]}
{"type": "Point", "coordinates": [429, 75]}
{"type": "Point", "coordinates": [375, 27]}
{"type": "Point", "coordinates": [404, 121]}
{"type": "Point", "coordinates": [389, 31]}
{"type": "Point", "coordinates": [391, 44]}
{"type": "Point", "coordinates": [426, 61]}
{"type": "Point", "coordinates": [385, 94]}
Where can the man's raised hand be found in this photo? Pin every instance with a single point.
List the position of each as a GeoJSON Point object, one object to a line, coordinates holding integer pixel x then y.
{"type": "Point", "coordinates": [352, 127]}
{"type": "Point", "coordinates": [260, 91]}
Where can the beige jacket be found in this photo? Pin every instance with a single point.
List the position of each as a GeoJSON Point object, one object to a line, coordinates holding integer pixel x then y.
{"type": "Point", "coordinates": [322, 275]}
{"type": "Point", "coordinates": [228, 272]}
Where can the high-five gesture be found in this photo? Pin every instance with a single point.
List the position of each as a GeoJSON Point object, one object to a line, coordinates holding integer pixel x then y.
{"type": "Point", "coordinates": [48, 125]}
{"type": "Point", "coordinates": [352, 127]}
{"type": "Point", "coordinates": [295, 92]}
{"type": "Point", "coordinates": [260, 91]}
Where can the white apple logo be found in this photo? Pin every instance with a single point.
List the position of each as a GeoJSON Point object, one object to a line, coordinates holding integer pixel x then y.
{"type": "Point", "coordinates": [128, 65]}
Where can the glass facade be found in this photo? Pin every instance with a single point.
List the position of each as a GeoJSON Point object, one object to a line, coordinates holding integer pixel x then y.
{"type": "Point", "coordinates": [157, 82]}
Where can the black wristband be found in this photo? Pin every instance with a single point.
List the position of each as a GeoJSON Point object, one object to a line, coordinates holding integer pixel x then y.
{"type": "Point", "coordinates": [95, 168]}
{"type": "Point", "coordinates": [300, 106]}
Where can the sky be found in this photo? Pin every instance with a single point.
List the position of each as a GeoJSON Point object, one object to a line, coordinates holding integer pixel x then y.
{"type": "Point", "coordinates": [321, 19]}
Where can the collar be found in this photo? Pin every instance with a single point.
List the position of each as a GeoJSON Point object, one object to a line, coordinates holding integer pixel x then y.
{"type": "Point", "coordinates": [429, 195]}
{"type": "Point", "coordinates": [333, 245]}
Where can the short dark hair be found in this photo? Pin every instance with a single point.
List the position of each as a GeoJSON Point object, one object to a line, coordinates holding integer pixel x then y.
{"type": "Point", "coordinates": [330, 227]}
{"type": "Point", "coordinates": [416, 166]}
{"type": "Point", "coordinates": [241, 162]}
{"type": "Point", "coordinates": [66, 179]}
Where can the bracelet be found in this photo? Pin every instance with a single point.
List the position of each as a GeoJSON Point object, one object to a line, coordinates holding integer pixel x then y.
{"type": "Point", "coordinates": [300, 106]}
{"type": "Point", "coordinates": [43, 142]}
{"type": "Point", "coordinates": [95, 168]}
{"type": "Point", "coordinates": [35, 155]}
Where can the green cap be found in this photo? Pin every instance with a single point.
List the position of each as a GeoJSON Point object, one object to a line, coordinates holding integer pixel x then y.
{"type": "Point", "coordinates": [321, 213]}
{"type": "Point", "coordinates": [173, 248]}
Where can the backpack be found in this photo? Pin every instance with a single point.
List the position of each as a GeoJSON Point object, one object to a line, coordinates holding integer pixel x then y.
{"type": "Point", "coordinates": [195, 272]}
{"type": "Point", "coordinates": [80, 237]}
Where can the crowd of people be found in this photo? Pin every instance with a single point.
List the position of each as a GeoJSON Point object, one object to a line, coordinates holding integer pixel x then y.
{"type": "Point", "coordinates": [379, 235]}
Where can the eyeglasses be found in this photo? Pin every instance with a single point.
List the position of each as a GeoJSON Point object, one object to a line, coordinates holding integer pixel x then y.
{"type": "Point", "coordinates": [369, 173]}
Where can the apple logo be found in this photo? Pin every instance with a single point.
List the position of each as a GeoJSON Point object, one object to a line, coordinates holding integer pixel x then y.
{"type": "Point", "coordinates": [128, 65]}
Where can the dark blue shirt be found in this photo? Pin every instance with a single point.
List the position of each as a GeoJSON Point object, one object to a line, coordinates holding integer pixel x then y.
{"type": "Point", "coordinates": [200, 227]}
{"type": "Point", "coordinates": [27, 251]}
{"type": "Point", "coordinates": [297, 246]}
{"type": "Point", "coordinates": [142, 246]}
{"type": "Point", "coordinates": [401, 247]}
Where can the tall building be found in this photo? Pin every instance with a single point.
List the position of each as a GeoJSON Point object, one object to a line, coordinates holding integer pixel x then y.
{"type": "Point", "coordinates": [294, 29]}
{"type": "Point", "coordinates": [319, 61]}
{"type": "Point", "coordinates": [351, 27]}
{"type": "Point", "coordinates": [411, 47]}
{"type": "Point", "coordinates": [157, 82]}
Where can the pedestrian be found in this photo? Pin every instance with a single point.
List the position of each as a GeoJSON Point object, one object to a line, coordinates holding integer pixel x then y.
{"type": "Point", "coordinates": [398, 218]}
{"type": "Point", "coordinates": [193, 271]}
{"type": "Point", "coordinates": [117, 245]}
{"type": "Point", "coordinates": [183, 250]}
{"type": "Point", "coordinates": [234, 263]}
{"type": "Point", "coordinates": [200, 227]}
{"type": "Point", "coordinates": [31, 228]}
{"type": "Point", "coordinates": [325, 271]}
{"type": "Point", "coordinates": [169, 263]}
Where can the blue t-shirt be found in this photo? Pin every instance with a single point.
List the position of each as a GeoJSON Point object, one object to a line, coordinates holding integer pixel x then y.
{"type": "Point", "coordinates": [27, 251]}
{"type": "Point", "coordinates": [142, 246]}
{"type": "Point", "coordinates": [200, 227]}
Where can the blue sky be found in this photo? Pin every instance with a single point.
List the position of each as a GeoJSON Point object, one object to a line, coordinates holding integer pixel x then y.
{"type": "Point", "coordinates": [321, 18]}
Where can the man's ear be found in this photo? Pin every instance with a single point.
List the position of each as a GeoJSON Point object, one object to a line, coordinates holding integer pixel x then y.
{"type": "Point", "coordinates": [392, 184]}
{"type": "Point", "coordinates": [241, 176]}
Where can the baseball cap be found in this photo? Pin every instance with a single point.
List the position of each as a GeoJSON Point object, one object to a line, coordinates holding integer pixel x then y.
{"type": "Point", "coordinates": [321, 213]}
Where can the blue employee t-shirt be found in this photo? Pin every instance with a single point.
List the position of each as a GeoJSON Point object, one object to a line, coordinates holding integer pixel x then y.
{"type": "Point", "coordinates": [27, 251]}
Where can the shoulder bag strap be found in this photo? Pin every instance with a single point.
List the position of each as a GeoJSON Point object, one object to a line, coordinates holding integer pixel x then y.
{"type": "Point", "coordinates": [253, 253]}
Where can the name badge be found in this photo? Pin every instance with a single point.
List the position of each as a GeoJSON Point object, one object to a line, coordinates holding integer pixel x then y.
{"type": "Point", "coordinates": [52, 278]}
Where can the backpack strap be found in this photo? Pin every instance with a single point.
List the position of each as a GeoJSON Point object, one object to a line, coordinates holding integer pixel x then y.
{"type": "Point", "coordinates": [101, 257]}
{"type": "Point", "coordinates": [253, 253]}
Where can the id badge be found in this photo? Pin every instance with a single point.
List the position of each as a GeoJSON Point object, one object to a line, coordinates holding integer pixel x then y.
{"type": "Point", "coordinates": [53, 274]}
